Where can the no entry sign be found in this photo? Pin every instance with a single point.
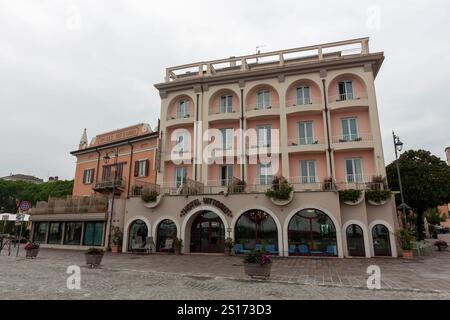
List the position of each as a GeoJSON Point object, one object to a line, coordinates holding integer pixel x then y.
{"type": "Point", "coordinates": [24, 206]}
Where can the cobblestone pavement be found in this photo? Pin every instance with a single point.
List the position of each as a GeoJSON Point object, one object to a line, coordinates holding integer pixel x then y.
{"type": "Point", "coordinates": [125, 276]}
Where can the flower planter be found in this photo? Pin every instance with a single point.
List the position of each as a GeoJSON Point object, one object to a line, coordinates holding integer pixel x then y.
{"type": "Point", "coordinates": [373, 203]}
{"type": "Point", "coordinates": [360, 199]}
{"type": "Point", "coordinates": [32, 253]}
{"type": "Point", "coordinates": [93, 260]}
{"type": "Point", "coordinates": [442, 248]}
{"type": "Point", "coordinates": [407, 254]}
{"type": "Point", "coordinates": [283, 202]}
{"type": "Point", "coordinates": [154, 204]}
{"type": "Point", "coordinates": [255, 270]}
{"type": "Point", "coordinates": [115, 248]}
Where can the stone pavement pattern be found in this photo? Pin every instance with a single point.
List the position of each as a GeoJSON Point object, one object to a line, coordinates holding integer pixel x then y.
{"type": "Point", "coordinates": [124, 276]}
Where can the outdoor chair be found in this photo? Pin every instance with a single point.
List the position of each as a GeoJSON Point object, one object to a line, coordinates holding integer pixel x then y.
{"type": "Point", "coordinates": [303, 249]}
{"type": "Point", "coordinates": [239, 248]}
{"type": "Point", "coordinates": [271, 249]}
{"type": "Point", "coordinates": [258, 246]}
{"type": "Point", "coordinates": [168, 246]}
{"type": "Point", "coordinates": [331, 250]}
{"type": "Point", "coordinates": [292, 248]}
{"type": "Point", "coordinates": [149, 245]}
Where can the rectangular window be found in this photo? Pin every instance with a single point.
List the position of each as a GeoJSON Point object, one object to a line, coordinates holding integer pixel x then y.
{"type": "Point", "coordinates": [40, 232]}
{"type": "Point", "coordinates": [303, 95]}
{"type": "Point", "coordinates": [265, 174]}
{"type": "Point", "coordinates": [107, 173]}
{"type": "Point", "coordinates": [263, 99]}
{"type": "Point", "coordinates": [226, 174]}
{"type": "Point", "coordinates": [226, 104]}
{"type": "Point", "coordinates": [308, 170]}
{"type": "Point", "coordinates": [72, 233]}
{"type": "Point", "coordinates": [182, 111]}
{"type": "Point", "coordinates": [142, 168]}
{"type": "Point", "coordinates": [227, 138]}
{"type": "Point", "coordinates": [353, 169]}
{"type": "Point", "coordinates": [349, 129]}
{"type": "Point", "coordinates": [306, 132]}
{"type": "Point", "coordinates": [182, 144]}
{"type": "Point", "coordinates": [88, 176]}
{"type": "Point", "coordinates": [264, 134]}
{"type": "Point", "coordinates": [93, 234]}
{"type": "Point", "coordinates": [180, 176]}
{"type": "Point", "coordinates": [346, 90]}
{"type": "Point", "coordinates": [55, 233]}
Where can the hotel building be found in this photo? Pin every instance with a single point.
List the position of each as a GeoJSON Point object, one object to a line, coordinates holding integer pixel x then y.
{"type": "Point", "coordinates": [228, 127]}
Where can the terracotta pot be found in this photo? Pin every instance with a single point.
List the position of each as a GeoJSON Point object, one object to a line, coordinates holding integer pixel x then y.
{"type": "Point", "coordinates": [257, 270]}
{"type": "Point", "coordinates": [32, 253]}
{"type": "Point", "coordinates": [93, 260]}
{"type": "Point", "coordinates": [407, 254]}
{"type": "Point", "coordinates": [115, 248]}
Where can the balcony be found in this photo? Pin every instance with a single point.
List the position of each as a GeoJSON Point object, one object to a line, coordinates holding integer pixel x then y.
{"type": "Point", "coordinates": [359, 141]}
{"type": "Point", "coordinates": [107, 185]}
{"type": "Point", "coordinates": [305, 106]}
{"type": "Point", "coordinates": [217, 114]}
{"type": "Point", "coordinates": [180, 119]}
{"type": "Point", "coordinates": [71, 204]}
{"type": "Point", "coordinates": [186, 188]}
{"type": "Point", "coordinates": [262, 112]}
{"type": "Point", "coordinates": [316, 144]}
{"type": "Point", "coordinates": [360, 182]}
{"type": "Point", "coordinates": [348, 101]}
{"type": "Point", "coordinates": [143, 187]}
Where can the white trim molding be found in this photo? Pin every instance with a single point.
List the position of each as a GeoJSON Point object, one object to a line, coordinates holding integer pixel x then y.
{"type": "Point", "coordinates": [127, 227]}
{"type": "Point", "coordinates": [365, 237]}
{"type": "Point", "coordinates": [391, 237]}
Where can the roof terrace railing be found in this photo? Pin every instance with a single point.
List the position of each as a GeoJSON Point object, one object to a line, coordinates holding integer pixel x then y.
{"type": "Point", "coordinates": [316, 53]}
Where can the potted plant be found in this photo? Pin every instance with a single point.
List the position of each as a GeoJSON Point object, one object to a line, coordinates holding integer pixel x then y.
{"type": "Point", "coordinates": [257, 264]}
{"type": "Point", "coordinates": [228, 245]}
{"type": "Point", "coordinates": [237, 186]}
{"type": "Point", "coordinates": [281, 192]}
{"type": "Point", "coordinates": [328, 184]}
{"type": "Point", "coordinates": [441, 245]}
{"type": "Point", "coordinates": [406, 236]}
{"type": "Point", "coordinates": [94, 257]}
{"type": "Point", "coordinates": [116, 239]}
{"type": "Point", "coordinates": [378, 197]}
{"type": "Point", "coordinates": [149, 196]}
{"type": "Point", "coordinates": [350, 196]}
{"type": "Point", "coordinates": [32, 250]}
{"type": "Point", "coordinates": [177, 245]}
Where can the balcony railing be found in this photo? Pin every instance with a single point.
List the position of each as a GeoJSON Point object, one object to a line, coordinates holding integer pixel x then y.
{"type": "Point", "coordinates": [187, 187]}
{"type": "Point", "coordinates": [262, 107]}
{"type": "Point", "coordinates": [350, 96]}
{"type": "Point", "coordinates": [109, 183]}
{"type": "Point", "coordinates": [142, 187]}
{"type": "Point", "coordinates": [299, 102]}
{"type": "Point", "coordinates": [358, 137]}
{"type": "Point", "coordinates": [306, 141]}
{"type": "Point", "coordinates": [71, 204]}
{"type": "Point", "coordinates": [217, 109]}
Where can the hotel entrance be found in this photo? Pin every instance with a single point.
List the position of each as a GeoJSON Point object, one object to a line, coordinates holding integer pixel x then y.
{"type": "Point", "coordinates": [207, 233]}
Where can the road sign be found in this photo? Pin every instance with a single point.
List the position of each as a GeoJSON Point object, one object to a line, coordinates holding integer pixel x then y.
{"type": "Point", "coordinates": [20, 217]}
{"type": "Point", "coordinates": [25, 206]}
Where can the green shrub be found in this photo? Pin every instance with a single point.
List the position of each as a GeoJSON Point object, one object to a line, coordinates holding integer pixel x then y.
{"type": "Point", "coordinates": [378, 196]}
{"type": "Point", "coordinates": [349, 195]}
{"type": "Point", "coordinates": [280, 190]}
{"type": "Point", "coordinates": [149, 196]}
{"type": "Point", "coordinates": [116, 235]}
{"type": "Point", "coordinates": [405, 236]}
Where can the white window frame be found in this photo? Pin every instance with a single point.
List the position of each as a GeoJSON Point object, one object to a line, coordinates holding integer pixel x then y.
{"type": "Point", "coordinates": [346, 94]}
{"type": "Point", "coordinates": [267, 128]}
{"type": "Point", "coordinates": [183, 177]}
{"type": "Point", "coordinates": [355, 180]}
{"type": "Point", "coordinates": [229, 177]}
{"type": "Point", "coordinates": [265, 104]}
{"type": "Point", "coordinates": [182, 146]}
{"type": "Point", "coordinates": [304, 101]}
{"type": "Point", "coordinates": [309, 176]}
{"type": "Point", "coordinates": [268, 172]}
{"type": "Point", "coordinates": [90, 175]}
{"type": "Point", "coordinates": [182, 109]}
{"type": "Point", "coordinates": [228, 105]}
{"type": "Point", "coordinates": [350, 135]}
{"type": "Point", "coordinates": [313, 138]}
{"type": "Point", "coordinates": [142, 167]}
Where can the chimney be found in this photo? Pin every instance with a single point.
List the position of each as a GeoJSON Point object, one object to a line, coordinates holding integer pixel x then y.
{"type": "Point", "coordinates": [83, 141]}
{"type": "Point", "coordinates": [447, 153]}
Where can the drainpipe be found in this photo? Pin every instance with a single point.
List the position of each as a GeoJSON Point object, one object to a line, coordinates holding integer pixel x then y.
{"type": "Point", "coordinates": [98, 167]}
{"type": "Point", "coordinates": [129, 171]}
{"type": "Point", "coordinates": [327, 126]}
{"type": "Point", "coordinates": [242, 132]}
{"type": "Point", "coordinates": [196, 141]}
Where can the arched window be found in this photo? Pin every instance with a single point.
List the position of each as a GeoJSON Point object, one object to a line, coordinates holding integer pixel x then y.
{"type": "Point", "coordinates": [256, 229]}
{"type": "Point", "coordinates": [137, 235]}
{"type": "Point", "coordinates": [381, 240]}
{"type": "Point", "coordinates": [312, 233]}
{"type": "Point", "coordinates": [207, 233]}
{"type": "Point", "coordinates": [355, 241]}
{"type": "Point", "coordinates": [166, 230]}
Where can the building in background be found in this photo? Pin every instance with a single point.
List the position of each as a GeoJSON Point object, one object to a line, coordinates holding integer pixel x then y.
{"type": "Point", "coordinates": [23, 177]}
{"type": "Point", "coordinates": [123, 160]}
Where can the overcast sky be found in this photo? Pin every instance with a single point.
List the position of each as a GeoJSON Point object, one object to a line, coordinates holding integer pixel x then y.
{"type": "Point", "coordinates": [69, 65]}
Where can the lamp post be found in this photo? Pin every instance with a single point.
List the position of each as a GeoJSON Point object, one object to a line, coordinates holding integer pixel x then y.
{"type": "Point", "coordinates": [398, 146]}
{"type": "Point", "coordinates": [106, 159]}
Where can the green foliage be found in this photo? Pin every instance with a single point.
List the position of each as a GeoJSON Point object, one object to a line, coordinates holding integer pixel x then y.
{"type": "Point", "coordinates": [280, 190]}
{"type": "Point", "coordinates": [238, 186]}
{"type": "Point", "coordinates": [257, 256]}
{"type": "Point", "coordinates": [149, 196]}
{"type": "Point", "coordinates": [378, 196]}
{"type": "Point", "coordinates": [95, 252]}
{"type": "Point", "coordinates": [405, 236]}
{"type": "Point", "coordinates": [116, 235]}
{"type": "Point", "coordinates": [12, 190]}
{"type": "Point", "coordinates": [433, 216]}
{"type": "Point", "coordinates": [349, 195]}
{"type": "Point", "coordinates": [425, 181]}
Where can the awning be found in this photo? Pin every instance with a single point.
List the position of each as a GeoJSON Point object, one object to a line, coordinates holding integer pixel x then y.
{"type": "Point", "coordinates": [12, 217]}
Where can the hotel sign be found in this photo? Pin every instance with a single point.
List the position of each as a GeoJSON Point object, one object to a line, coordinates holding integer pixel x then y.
{"type": "Point", "coordinates": [208, 201]}
{"type": "Point", "coordinates": [118, 135]}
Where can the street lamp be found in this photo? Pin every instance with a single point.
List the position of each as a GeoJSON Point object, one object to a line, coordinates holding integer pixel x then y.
{"type": "Point", "coordinates": [398, 147]}
{"type": "Point", "coordinates": [106, 159]}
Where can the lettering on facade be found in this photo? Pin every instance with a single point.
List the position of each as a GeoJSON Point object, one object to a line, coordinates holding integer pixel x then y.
{"type": "Point", "coordinates": [118, 136]}
{"type": "Point", "coordinates": [209, 201]}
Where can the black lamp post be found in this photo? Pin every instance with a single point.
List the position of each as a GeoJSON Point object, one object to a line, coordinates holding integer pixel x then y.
{"type": "Point", "coordinates": [106, 159]}
{"type": "Point", "coordinates": [398, 147]}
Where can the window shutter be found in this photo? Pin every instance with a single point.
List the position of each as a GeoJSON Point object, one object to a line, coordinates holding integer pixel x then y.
{"type": "Point", "coordinates": [147, 166]}
{"type": "Point", "coordinates": [136, 168]}
{"type": "Point", "coordinates": [93, 175]}
{"type": "Point", "coordinates": [84, 176]}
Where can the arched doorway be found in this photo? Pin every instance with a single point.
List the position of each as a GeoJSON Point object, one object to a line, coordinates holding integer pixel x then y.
{"type": "Point", "coordinates": [255, 229]}
{"type": "Point", "coordinates": [207, 233]}
{"type": "Point", "coordinates": [381, 241]}
{"type": "Point", "coordinates": [312, 233]}
{"type": "Point", "coordinates": [137, 234]}
{"type": "Point", "coordinates": [355, 241]}
{"type": "Point", "coordinates": [166, 230]}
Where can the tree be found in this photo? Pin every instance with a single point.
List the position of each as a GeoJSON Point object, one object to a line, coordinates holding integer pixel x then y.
{"type": "Point", "coordinates": [425, 180]}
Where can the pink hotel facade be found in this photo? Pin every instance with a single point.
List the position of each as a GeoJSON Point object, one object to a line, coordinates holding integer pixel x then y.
{"type": "Point", "coordinates": [311, 116]}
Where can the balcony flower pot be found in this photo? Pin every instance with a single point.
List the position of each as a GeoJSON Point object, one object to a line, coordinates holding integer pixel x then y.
{"type": "Point", "coordinates": [32, 250]}
{"type": "Point", "coordinates": [257, 264]}
{"type": "Point", "coordinates": [351, 197]}
{"type": "Point", "coordinates": [153, 203]}
{"type": "Point", "coordinates": [94, 257]}
{"type": "Point", "coordinates": [281, 192]}
{"type": "Point", "coordinates": [378, 197]}
{"type": "Point", "coordinates": [441, 245]}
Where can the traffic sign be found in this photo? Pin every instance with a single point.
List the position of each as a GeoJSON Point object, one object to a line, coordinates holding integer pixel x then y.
{"type": "Point", "coordinates": [25, 205]}
{"type": "Point", "coordinates": [20, 217]}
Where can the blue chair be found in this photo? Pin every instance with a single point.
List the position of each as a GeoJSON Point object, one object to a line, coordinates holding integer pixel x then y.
{"type": "Point", "coordinates": [303, 249]}
{"type": "Point", "coordinates": [292, 249]}
{"type": "Point", "coordinates": [258, 246]}
{"type": "Point", "coordinates": [332, 250]}
{"type": "Point", "coordinates": [271, 249]}
{"type": "Point", "coordinates": [238, 248]}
